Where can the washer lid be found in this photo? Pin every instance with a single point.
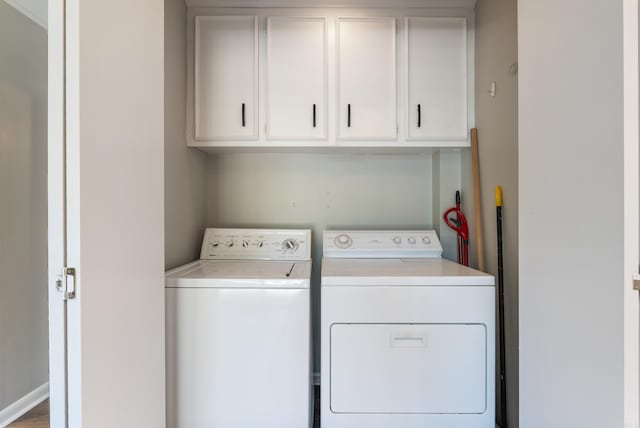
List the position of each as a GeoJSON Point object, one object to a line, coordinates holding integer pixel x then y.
{"type": "Point", "coordinates": [400, 272]}
{"type": "Point", "coordinates": [240, 274]}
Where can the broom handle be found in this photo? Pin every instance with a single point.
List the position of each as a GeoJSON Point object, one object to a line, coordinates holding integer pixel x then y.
{"type": "Point", "coordinates": [503, 374]}
{"type": "Point", "coordinates": [475, 167]}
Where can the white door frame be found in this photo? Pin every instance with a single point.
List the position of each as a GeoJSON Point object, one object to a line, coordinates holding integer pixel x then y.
{"type": "Point", "coordinates": [56, 214]}
{"type": "Point", "coordinates": [63, 215]}
{"type": "Point", "coordinates": [631, 214]}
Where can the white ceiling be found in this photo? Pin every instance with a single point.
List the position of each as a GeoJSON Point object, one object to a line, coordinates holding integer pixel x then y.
{"type": "Point", "coordinates": [36, 10]}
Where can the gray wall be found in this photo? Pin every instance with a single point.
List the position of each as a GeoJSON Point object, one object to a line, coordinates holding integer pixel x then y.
{"type": "Point", "coordinates": [571, 213]}
{"type": "Point", "coordinates": [497, 123]}
{"type": "Point", "coordinates": [185, 194]}
{"type": "Point", "coordinates": [320, 191]}
{"type": "Point", "coordinates": [23, 206]}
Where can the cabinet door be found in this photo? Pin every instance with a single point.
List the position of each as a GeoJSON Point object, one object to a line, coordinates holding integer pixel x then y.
{"type": "Point", "coordinates": [436, 78]}
{"type": "Point", "coordinates": [367, 79]}
{"type": "Point", "coordinates": [296, 78]}
{"type": "Point", "coordinates": [226, 63]}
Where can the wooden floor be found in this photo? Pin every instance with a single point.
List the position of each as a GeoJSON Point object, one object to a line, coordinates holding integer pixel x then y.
{"type": "Point", "coordinates": [38, 417]}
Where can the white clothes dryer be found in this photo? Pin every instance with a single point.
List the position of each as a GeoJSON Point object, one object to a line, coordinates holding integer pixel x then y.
{"type": "Point", "coordinates": [238, 332]}
{"type": "Point", "coordinates": [407, 338]}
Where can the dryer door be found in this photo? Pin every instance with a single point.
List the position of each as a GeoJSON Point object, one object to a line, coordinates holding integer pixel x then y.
{"type": "Point", "coordinates": [408, 368]}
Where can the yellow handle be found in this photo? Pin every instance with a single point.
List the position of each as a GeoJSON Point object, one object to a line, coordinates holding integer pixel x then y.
{"type": "Point", "coordinates": [498, 196]}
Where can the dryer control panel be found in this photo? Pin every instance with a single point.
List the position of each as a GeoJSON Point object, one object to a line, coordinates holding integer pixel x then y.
{"type": "Point", "coordinates": [256, 244]}
{"type": "Point", "coordinates": [381, 244]}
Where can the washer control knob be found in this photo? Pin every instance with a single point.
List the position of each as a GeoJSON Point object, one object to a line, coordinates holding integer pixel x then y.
{"type": "Point", "coordinates": [215, 243]}
{"type": "Point", "coordinates": [259, 244]}
{"type": "Point", "coordinates": [230, 244]}
{"type": "Point", "coordinates": [245, 244]}
{"type": "Point", "coordinates": [397, 240]}
{"type": "Point", "coordinates": [426, 240]}
{"type": "Point", "coordinates": [411, 240]}
{"type": "Point", "coordinates": [343, 241]}
{"type": "Point", "coordinates": [289, 245]}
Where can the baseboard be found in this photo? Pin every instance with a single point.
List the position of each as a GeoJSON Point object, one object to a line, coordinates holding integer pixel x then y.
{"type": "Point", "coordinates": [23, 405]}
{"type": "Point", "coordinates": [316, 378]}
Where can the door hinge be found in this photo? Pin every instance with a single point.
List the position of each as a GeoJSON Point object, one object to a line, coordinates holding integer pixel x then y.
{"type": "Point", "coordinates": [66, 283]}
{"type": "Point", "coordinates": [636, 282]}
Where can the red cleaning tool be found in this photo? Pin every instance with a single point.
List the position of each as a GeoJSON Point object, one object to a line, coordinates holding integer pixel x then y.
{"type": "Point", "coordinates": [456, 220]}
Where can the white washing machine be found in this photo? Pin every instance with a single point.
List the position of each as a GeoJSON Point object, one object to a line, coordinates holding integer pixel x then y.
{"type": "Point", "coordinates": [238, 332]}
{"type": "Point", "coordinates": [407, 337]}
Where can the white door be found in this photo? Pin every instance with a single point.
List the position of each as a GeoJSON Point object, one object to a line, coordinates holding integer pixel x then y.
{"type": "Point", "coordinates": [436, 64]}
{"type": "Point", "coordinates": [106, 221]}
{"type": "Point", "coordinates": [367, 79]}
{"type": "Point", "coordinates": [226, 68]}
{"type": "Point", "coordinates": [296, 78]}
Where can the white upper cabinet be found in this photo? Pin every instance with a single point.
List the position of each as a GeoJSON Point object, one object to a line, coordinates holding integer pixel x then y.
{"type": "Point", "coordinates": [226, 78]}
{"type": "Point", "coordinates": [367, 79]}
{"type": "Point", "coordinates": [289, 80]}
{"type": "Point", "coordinates": [296, 88]}
{"type": "Point", "coordinates": [436, 82]}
